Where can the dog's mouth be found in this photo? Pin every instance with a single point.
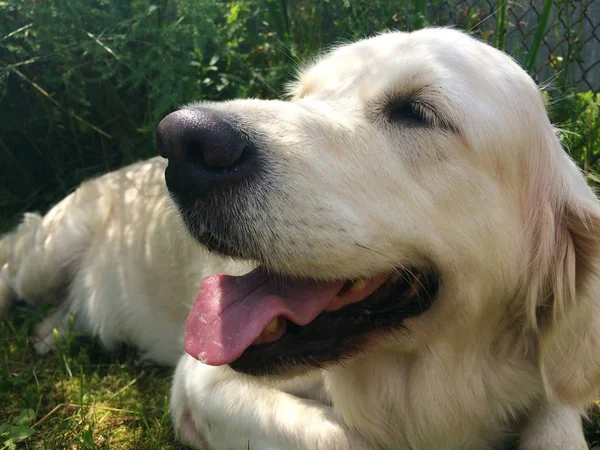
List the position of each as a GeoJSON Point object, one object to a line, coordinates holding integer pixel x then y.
{"type": "Point", "coordinates": [261, 323]}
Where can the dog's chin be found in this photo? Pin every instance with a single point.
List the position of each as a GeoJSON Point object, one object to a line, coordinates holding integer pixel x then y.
{"type": "Point", "coordinates": [213, 240]}
{"type": "Point", "coordinates": [335, 336]}
{"type": "Point", "coordinates": [219, 246]}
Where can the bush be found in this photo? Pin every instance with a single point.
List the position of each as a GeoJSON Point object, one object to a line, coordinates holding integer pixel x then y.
{"type": "Point", "coordinates": [578, 113]}
{"type": "Point", "coordinates": [85, 84]}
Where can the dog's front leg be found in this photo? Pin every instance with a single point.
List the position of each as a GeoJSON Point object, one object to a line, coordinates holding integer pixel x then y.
{"type": "Point", "coordinates": [217, 408]}
{"type": "Point", "coordinates": [553, 426]}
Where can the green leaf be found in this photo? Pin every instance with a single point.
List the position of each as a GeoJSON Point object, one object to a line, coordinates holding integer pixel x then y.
{"type": "Point", "coordinates": [20, 433]}
{"type": "Point", "coordinates": [4, 428]}
{"type": "Point", "coordinates": [87, 437]}
{"type": "Point", "coordinates": [25, 417]}
{"type": "Point", "coordinates": [15, 433]}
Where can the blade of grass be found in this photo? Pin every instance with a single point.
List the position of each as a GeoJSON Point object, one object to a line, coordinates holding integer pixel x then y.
{"type": "Point", "coordinates": [501, 24]}
{"type": "Point", "coordinates": [18, 30]}
{"type": "Point", "coordinates": [49, 97]}
{"type": "Point", "coordinates": [538, 37]}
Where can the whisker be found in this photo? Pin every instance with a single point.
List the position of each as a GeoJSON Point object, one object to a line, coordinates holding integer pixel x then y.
{"type": "Point", "coordinates": [370, 249]}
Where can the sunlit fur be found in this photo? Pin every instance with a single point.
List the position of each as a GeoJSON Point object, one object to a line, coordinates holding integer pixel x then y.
{"type": "Point", "coordinates": [483, 193]}
{"type": "Point", "coordinates": [114, 254]}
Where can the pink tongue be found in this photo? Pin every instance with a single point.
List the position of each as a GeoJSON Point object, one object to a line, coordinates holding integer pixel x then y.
{"type": "Point", "coordinates": [231, 312]}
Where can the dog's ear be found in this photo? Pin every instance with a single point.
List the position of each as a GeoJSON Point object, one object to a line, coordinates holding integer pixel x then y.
{"type": "Point", "coordinates": [567, 305]}
{"type": "Point", "coordinates": [569, 345]}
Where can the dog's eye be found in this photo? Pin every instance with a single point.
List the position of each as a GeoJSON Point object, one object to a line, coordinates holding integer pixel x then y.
{"type": "Point", "coordinates": [414, 112]}
{"type": "Point", "coordinates": [408, 112]}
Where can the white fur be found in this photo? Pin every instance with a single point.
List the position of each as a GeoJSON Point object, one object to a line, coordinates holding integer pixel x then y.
{"type": "Point", "coordinates": [114, 254]}
{"type": "Point", "coordinates": [484, 194]}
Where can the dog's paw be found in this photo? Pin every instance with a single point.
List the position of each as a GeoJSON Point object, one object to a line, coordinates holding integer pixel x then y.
{"type": "Point", "coordinates": [187, 432]}
{"type": "Point", "coordinates": [43, 343]}
{"type": "Point", "coordinates": [45, 334]}
{"type": "Point", "coordinates": [184, 424]}
{"type": "Point", "coordinates": [190, 424]}
{"type": "Point", "coordinates": [553, 427]}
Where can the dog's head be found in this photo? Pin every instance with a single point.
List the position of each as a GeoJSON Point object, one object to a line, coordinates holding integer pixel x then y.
{"type": "Point", "coordinates": [413, 189]}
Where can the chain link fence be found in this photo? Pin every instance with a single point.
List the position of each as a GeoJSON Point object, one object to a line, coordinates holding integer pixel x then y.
{"type": "Point", "coordinates": [569, 54]}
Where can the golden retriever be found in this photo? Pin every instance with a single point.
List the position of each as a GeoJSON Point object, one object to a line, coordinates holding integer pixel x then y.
{"type": "Point", "coordinates": [425, 255]}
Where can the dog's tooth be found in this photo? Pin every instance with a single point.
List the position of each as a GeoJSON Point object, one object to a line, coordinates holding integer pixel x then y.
{"type": "Point", "coordinates": [273, 326]}
{"type": "Point", "coordinates": [359, 285]}
{"type": "Point", "coordinates": [271, 332]}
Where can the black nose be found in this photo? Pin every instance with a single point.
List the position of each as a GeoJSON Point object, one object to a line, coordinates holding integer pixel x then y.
{"type": "Point", "coordinates": [205, 148]}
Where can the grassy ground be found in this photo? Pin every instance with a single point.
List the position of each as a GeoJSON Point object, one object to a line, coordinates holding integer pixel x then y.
{"type": "Point", "coordinates": [82, 397]}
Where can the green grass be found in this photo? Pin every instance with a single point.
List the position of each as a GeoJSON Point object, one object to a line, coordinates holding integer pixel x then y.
{"type": "Point", "coordinates": [80, 397]}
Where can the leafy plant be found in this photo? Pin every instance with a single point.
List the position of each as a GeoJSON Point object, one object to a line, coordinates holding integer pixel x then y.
{"type": "Point", "coordinates": [578, 115]}
{"type": "Point", "coordinates": [18, 429]}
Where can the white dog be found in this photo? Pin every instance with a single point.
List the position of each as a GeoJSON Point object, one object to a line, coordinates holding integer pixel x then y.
{"type": "Point", "coordinates": [426, 258]}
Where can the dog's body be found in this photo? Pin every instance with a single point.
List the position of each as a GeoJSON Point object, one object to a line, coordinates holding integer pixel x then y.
{"type": "Point", "coordinates": [115, 254]}
{"type": "Point", "coordinates": [428, 155]}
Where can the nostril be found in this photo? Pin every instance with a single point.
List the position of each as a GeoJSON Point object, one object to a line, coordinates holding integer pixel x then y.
{"type": "Point", "coordinates": [195, 155]}
{"type": "Point", "coordinates": [226, 156]}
